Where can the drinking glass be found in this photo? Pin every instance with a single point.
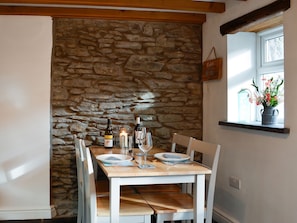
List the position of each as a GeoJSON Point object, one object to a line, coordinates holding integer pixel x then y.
{"type": "Point", "coordinates": [145, 144]}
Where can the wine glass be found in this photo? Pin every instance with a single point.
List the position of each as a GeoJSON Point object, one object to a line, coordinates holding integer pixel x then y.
{"type": "Point", "coordinates": [145, 144]}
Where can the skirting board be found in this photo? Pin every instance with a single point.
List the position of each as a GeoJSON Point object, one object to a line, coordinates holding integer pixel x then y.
{"type": "Point", "coordinates": [221, 217]}
{"type": "Point", "coordinates": [22, 214]}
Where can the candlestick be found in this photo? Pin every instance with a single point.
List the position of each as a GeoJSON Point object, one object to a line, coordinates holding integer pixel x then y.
{"type": "Point", "coordinates": [123, 138]}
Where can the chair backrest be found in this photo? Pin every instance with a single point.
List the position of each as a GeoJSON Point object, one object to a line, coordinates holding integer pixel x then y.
{"type": "Point", "coordinates": [80, 179]}
{"type": "Point", "coordinates": [79, 154]}
{"type": "Point", "coordinates": [83, 149]}
{"type": "Point", "coordinates": [181, 140]}
{"type": "Point", "coordinates": [77, 150]}
{"type": "Point", "coordinates": [90, 188]}
{"type": "Point", "coordinates": [210, 153]}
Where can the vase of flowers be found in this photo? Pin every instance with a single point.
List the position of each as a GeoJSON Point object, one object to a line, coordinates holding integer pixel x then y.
{"type": "Point", "coordinates": [269, 98]}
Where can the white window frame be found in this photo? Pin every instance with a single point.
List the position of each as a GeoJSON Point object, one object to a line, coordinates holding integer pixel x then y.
{"type": "Point", "coordinates": [268, 67]}
{"type": "Point", "coordinates": [275, 66]}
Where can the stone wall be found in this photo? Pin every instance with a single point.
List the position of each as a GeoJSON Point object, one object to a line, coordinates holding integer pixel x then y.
{"type": "Point", "coordinates": [119, 70]}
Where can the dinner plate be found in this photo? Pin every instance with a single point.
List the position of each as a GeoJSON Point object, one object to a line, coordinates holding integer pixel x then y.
{"type": "Point", "coordinates": [172, 157]}
{"type": "Point", "coordinates": [113, 158]}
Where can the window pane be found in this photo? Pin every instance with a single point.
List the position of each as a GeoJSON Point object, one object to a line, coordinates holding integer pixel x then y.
{"type": "Point", "coordinates": [274, 49]}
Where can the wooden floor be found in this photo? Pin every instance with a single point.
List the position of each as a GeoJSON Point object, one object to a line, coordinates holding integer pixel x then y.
{"type": "Point", "coordinates": [57, 220]}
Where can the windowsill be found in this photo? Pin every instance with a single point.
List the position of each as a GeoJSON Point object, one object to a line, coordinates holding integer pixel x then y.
{"type": "Point", "coordinates": [277, 128]}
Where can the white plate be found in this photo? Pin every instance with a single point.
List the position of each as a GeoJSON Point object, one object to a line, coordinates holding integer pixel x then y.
{"type": "Point", "coordinates": [172, 157]}
{"type": "Point", "coordinates": [113, 158]}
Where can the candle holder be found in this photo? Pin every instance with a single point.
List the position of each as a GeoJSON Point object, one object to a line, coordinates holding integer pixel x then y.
{"type": "Point", "coordinates": [123, 138]}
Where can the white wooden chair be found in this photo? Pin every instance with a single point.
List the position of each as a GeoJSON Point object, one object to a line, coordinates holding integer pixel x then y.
{"type": "Point", "coordinates": [133, 209]}
{"type": "Point", "coordinates": [179, 206]}
{"type": "Point", "coordinates": [180, 140]}
{"type": "Point", "coordinates": [102, 185]}
{"type": "Point", "coordinates": [177, 140]}
{"type": "Point", "coordinates": [80, 182]}
{"type": "Point", "coordinates": [184, 141]}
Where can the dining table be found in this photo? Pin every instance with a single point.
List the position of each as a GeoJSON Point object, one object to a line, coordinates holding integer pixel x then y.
{"type": "Point", "coordinates": [162, 173]}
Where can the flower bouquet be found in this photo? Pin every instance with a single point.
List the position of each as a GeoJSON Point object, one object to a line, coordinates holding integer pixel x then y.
{"type": "Point", "coordinates": [269, 97]}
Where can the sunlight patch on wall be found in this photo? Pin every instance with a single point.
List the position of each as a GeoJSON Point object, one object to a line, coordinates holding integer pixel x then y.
{"type": "Point", "coordinates": [241, 67]}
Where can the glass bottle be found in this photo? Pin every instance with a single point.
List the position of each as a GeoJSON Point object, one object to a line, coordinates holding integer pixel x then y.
{"type": "Point", "coordinates": [108, 135]}
{"type": "Point", "coordinates": [137, 130]}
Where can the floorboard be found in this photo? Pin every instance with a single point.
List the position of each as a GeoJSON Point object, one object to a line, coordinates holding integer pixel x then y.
{"type": "Point", "coordinates": [55, 220]}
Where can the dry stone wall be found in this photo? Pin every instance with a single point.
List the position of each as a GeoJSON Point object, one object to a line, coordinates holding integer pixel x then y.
{"type": "Point", "coordinates": [119, 70]}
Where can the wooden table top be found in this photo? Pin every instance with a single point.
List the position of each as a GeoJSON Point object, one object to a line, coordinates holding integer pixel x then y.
{"type": "Point", "coordinates": [160, 169]}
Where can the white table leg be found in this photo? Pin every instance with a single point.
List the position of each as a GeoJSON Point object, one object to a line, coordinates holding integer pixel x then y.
{"type": "Point", "coordinates": [199, 197]}
{"type": "Point", "coordinates": [114, 200]}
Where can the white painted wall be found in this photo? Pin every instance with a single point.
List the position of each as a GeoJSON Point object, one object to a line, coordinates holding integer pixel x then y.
{"type": "Point", "coordinates": [265, 162]}
{"type": "Point", "coordinates": [25, 64]}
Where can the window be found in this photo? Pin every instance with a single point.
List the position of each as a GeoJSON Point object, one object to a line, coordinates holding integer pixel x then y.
{"type": "Point", "coordinates": [271, 44]}
{"type": "Point", "coordinates": [271, 61]}
{"type": "Point", "coordinates": [252, 56]}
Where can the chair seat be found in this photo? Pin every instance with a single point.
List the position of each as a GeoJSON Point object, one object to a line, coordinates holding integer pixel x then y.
{"type": "Point", "coordinates": [130, 204]}
{"type": "Point", "coordinates": [102, 188]}
{"type": "Point", "coordinates": [169, 202]}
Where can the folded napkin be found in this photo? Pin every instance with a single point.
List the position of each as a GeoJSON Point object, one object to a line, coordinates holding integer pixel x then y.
{"type": "Point", "coordinates": [171, 156]}
{"type": "Point", "coordinates": [171, 163]}
{"type": "Point", "coordinates": [125, 163]}
{"type": "Point", "coordinates": [112, 158]}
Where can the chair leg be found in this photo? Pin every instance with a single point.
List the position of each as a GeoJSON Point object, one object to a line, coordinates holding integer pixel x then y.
{"type": "Point", "coordinates": [160, 219]}
{"type": "Point", "coordinates": [147, 219]}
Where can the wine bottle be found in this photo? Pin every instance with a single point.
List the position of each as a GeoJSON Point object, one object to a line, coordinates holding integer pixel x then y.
{"type": "Point", "coordinates": [108, 135]}
{"type": "Point", "coordinates": [137, 130]}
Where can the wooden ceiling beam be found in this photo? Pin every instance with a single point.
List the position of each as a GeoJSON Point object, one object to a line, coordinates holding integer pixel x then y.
{"type": "Point", "coordinates": [185, 5]}
{"type": "Point", "coordinates": [271, 9]}
{"type": "Point", "coordinates": [193, 18]}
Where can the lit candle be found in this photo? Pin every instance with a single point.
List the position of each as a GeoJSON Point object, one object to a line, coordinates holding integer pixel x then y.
{"type": "Point", "coordinates": [123, 139]}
